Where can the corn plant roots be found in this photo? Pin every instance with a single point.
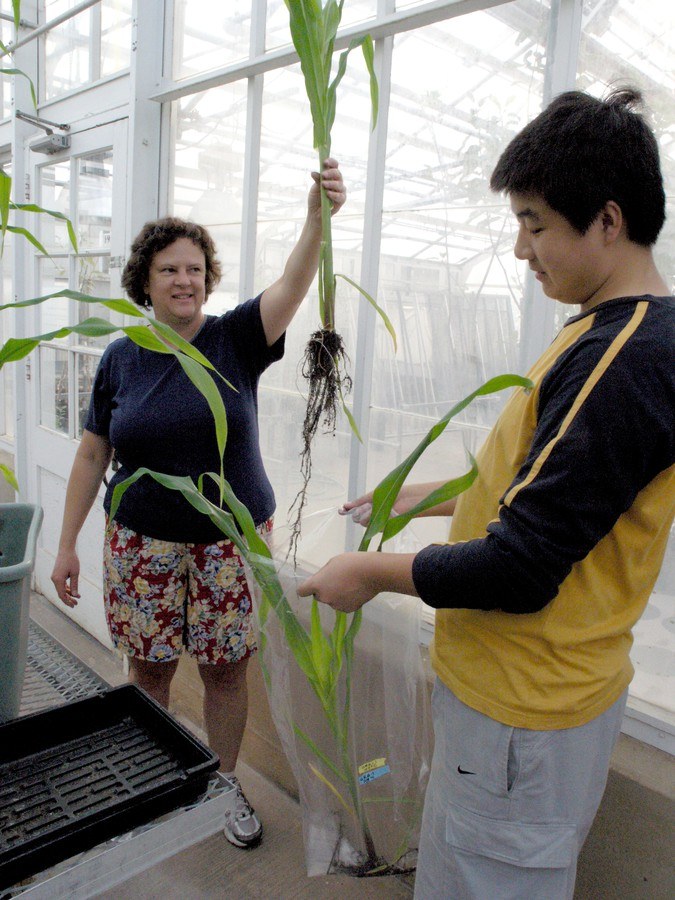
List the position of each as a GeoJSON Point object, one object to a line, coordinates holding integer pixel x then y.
{"type": "Point", "coordinates": [324, 367]}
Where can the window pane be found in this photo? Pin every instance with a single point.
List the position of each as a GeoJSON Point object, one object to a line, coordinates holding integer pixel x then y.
{"type": "Point", "coordinates": [448, 277]}
{"type": "Point", "coordinates": [209, 35]}
{"type": "Point", "coordinates": [631, 44]}
{"type": "Point", "coordinates": [7, 330]}
{"type": "Point", "coordinates": [52, 278]}
{"type": "Point", "coordinates": [115, 36]}
{"type": "Point", "coordinates": [54, 188]}
{"type": "Point", "coordinates": [277, 29]}
{"type": "Point", "coordinates": [94, 280]}
{"type": "Point", "coordinates": [207, 170]}
{"type": "Point", "coordinates": [54, 411]}
{"type": "Point", "coordinates": [612, 52]}
{"type": "Point", "coordinates": [287, 159]}
{"type": "Point", "coordinates": [67, 49]}
{"type": "Point", "coordinates": [6, 88]}
{"type": "Point", "coordinates": [94, 200]}
{"type": "Point", "coordinates": [86, 365]}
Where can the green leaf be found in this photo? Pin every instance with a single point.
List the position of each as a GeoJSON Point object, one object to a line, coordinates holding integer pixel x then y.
{"type": "Point", "coordinates": [9, 476]}
{"type": "Point", "coordinates": [15, 229]}
{"type": "Point", "coordinates": [385, 494]}
{"type": "Point", "coordinates": [5, 191]}
{"type": "Point", "coordinates": [441, 495]}
{"type": "Point", "coordinates": [33, 207]}
{"type": "Point", "coordinates": [378, 309]}
{"type": "Point", "coordinates": [33, 95]}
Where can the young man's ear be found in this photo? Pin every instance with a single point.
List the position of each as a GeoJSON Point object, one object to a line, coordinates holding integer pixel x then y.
{"type": "Point", "coordinates": [611, 218]}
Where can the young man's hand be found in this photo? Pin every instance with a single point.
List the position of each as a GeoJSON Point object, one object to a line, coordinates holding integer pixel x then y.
{"type": "Point", "coordinates": [348, 581]}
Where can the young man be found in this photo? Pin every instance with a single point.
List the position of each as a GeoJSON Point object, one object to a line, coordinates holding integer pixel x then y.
{"type": "Point", "coordinates": [555, 548]}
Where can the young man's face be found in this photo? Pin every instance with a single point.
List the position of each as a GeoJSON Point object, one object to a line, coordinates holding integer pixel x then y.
{"type": "Point", "coordinates": [572, 268]}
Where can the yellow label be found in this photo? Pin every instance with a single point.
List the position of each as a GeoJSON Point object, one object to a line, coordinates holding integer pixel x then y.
{"type": "Point", "coordinates": [373, 764]}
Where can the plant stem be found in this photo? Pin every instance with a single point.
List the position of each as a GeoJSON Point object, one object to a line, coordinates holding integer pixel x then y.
{"type": "Point", "coordinates": [326, 273]}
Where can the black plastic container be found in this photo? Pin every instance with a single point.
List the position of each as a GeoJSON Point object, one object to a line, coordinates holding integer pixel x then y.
{"type": "Point", "coordinates": [86, 771]}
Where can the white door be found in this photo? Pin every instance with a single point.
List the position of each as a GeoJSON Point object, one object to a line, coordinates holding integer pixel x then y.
{"type": "Point", "coordinates": [87, 183]}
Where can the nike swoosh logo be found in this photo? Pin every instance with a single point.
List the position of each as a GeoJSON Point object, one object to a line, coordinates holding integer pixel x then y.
{"type": "Point", "coordinates": [464, 771]}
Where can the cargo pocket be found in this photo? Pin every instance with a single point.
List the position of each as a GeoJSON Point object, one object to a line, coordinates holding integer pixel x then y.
{"type": "Point", "coordinates": [536, 846]}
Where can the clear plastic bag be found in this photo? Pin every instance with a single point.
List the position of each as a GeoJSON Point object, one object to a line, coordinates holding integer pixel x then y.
{"type": "Point", "coordinates": [361, 753]}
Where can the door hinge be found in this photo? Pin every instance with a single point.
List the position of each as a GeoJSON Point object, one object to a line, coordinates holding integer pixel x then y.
{"type": "Point", "coordinates": [26, 187]}
{"type": "Point", "coordinates": [27, 364]}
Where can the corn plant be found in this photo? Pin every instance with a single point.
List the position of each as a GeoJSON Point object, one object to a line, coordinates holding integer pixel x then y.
{"type": "Point", "coordinates": [313, 30]}
{"type": "Point", "coordinates": [325, 659]}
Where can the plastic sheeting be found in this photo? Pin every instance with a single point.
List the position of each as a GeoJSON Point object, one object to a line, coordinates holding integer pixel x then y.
{"type": "Point", "coordinates": [388, 748]}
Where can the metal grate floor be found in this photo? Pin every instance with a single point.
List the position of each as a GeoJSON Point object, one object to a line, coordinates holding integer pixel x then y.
{"type": "Point", "coordinates": [53, 675]}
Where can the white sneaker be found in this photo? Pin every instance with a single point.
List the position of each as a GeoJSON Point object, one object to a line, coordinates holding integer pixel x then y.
{"type": "Point", "coordinates": [242, 826]}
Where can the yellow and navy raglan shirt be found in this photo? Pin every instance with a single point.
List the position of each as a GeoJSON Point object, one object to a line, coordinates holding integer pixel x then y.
{"type": "Point", "coordinates": [555, 548]}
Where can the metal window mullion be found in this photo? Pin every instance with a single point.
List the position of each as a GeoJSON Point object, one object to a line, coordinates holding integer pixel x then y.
{"type": "Point", "coordinates": [386, 24]}
{"type": "Point", "coordinates": [53, 23]}
{"type": "Point", "coordinates": [143, 162]}
{"type": "Point", "coordinates": [95, 43]}
{"type": "Point", "coordinates": [562, 52]}
{"type": "Point", "coordinates": [368, 319]}
{"type": "Point", "coordinates": [253, 139]}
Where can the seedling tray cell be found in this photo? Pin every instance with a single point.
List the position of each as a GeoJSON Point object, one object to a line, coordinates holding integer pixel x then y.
{"type": "Point", "coordinates": [88, 770]}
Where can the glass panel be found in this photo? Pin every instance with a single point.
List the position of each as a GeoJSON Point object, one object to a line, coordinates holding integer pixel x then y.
{"type": "Point", "coordinates": [86, 365]}
{"type": "Point", "coordinates": [209, 36]}
{"type": "Point", "coordinates": [633, 45]}
{"type": "Point", "coordinates": [52, 278]}
{"type": "Point", "coordinates": [94, 200]}
{"type": "Point", "coordinates": [6, 90]}
{"type": "Point", "coordinates": [94, 280]}
{"type": "Point", "coordinates": [448, 277]}
{"type": "Point", "coordinates": [54, 190]}
{"type": "Point", "coordinates": [54, 407]}
{"type": "Point", "coordinates": [287, 158]}
{"type": "Point", "coordinates": [277, 28]}
{"type": "Point", "coordinates": [115, 36]}
{"type": "Point", "coordinates": [67, 50]}
{"type": "Point", "coordinates": [207, 170]}
{"type": "Point", "coordinates": [7, 330]}
{"type": "Point", "coordinates": [613, 51]}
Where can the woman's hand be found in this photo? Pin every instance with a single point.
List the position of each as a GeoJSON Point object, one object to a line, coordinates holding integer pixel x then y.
{"type": "Point", "coordinates": [408, 497]}
{"type": "Point", "coordinates": [332, 183]}
{"type": "Point", "coordinates": [65, 577]}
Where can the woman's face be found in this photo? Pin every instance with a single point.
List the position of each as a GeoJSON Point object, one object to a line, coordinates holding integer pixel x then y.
{"type": "Point", "coordinates": [176, 284]}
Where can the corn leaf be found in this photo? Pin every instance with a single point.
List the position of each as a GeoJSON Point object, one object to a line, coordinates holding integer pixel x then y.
{"type": "Point", "coordinates": [33, 95]}
{"type": "Point", "coordinates": [34, 208]}
{"type": "Point", "coordinates": [378, 309]}
{"type": "Point", "coordinates": [441, 495]}
{"type": "Point", "coordinates": [386, 492]}
{"type": "Point", "coordinates": [30, 237]}
{"type": "Point", "coordinates": [331, 788]}
{"type": "Point", "coordinates": [5, 191]}
{"type": "Point", "coordinates": [9, 476]}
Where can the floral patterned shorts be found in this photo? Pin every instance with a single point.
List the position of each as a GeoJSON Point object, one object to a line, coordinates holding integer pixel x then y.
{"type": "Point", "coordinates": [163, 596]}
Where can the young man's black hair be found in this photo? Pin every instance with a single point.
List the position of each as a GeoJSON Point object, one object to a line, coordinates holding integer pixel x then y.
{"type": "Point", "coordinates": [581, 152]}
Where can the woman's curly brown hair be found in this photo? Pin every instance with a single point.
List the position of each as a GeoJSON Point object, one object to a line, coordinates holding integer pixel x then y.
{"type": "Point", "coordinates": [156, 236]}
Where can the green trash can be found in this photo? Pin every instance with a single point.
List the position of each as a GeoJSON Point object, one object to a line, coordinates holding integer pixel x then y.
{"type": "Point", "coordinates": [19, 528]}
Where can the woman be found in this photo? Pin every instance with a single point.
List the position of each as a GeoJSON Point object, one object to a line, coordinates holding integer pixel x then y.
{"type": "Point", "coordinates": [170, 580]}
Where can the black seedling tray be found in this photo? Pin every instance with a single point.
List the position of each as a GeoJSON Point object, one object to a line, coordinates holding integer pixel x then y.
{"type": "Point", "coordinates": [86, 771]}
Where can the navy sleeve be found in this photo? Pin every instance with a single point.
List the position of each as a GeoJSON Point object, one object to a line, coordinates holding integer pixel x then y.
{"type": "Point", "coordinates": [247, 321]}
{"type": "Point", "coordinates": [100, 410]}
{"type": "Point", "coordinates": [600, 438]}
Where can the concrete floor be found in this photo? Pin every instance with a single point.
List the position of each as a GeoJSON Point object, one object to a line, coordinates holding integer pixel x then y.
{"type": "Point", "coordinates": [628, 855]}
